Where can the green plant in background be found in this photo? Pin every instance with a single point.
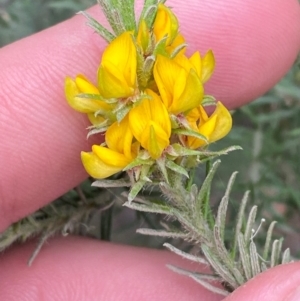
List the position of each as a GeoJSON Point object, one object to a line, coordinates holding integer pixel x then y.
{"type": "Point", "coordinates": [270, 169]}
{"type": "Point", "coordinates": [22, 18]}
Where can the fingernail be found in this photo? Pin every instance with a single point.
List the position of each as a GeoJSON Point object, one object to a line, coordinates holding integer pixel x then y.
{"type": "Point", "coordinates": [294, 295]}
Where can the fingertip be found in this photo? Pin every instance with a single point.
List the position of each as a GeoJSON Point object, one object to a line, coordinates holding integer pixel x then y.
{"type": "Point", "coordinates": [275, 284]}
{"type": "Point", "coordinates": [255, 43]}
{"type": "Point", "coordinates": [83, 269]}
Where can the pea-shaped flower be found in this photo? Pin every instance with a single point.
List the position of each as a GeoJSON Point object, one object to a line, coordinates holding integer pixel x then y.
{"type": "Point", "coordinates": [104, 161]}
{"type": "Point", "coordinates": [150, 124]}
{"type": "Point", "coordinates": [165, 24]}
{"type": "Point", "coordinates": [180, 89]}
{"type": "Point", "coordinates": [117, 72]}
{"type": "Point", "coordinates": [81, 85]}
{"type": "Point", "coordinates": [213, 127]}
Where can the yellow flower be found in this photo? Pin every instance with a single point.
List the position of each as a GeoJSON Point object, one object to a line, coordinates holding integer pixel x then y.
{"type": "Point", "coordinates": [213, 128]}
{"type": "Point", "coordinates": [204, 66]}
{"type": "Point", "coordinates": [181, 90]}
{"type": "Point", "coordinates": [150, 124]}
{"type": "Point", "coordinates": [103, 161]}
{"type": "Point", "coordinates": [79, 86]}
{"type": "Point", "coordinates": [165, 24]}
{"type": "Point", "coordinates": [117, 72]}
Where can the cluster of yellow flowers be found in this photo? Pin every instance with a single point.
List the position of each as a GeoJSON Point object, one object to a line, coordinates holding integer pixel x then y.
{"type": "Point", "coordinates": [149, 97]}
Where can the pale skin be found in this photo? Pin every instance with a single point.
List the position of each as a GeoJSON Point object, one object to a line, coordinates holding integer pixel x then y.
{"type": "Point", "coordinates": [255, 43]}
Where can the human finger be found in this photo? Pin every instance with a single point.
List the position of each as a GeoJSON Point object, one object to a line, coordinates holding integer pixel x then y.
{"type": "Point", "coordinates": [82, 269]}
{"type": "Point", "coordinates": [277, 284]}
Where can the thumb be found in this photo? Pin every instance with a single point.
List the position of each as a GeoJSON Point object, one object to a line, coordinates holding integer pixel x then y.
{"type": "Point", "coordinates": [281, 283]}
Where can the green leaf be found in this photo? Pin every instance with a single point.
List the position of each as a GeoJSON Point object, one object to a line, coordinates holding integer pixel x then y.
{"type": "Point", "coordinates": [122, 112]}
{"type": "Point", "coordinates": [268, 240]}
{"type": "Point", "coordinates": [206, 186]}
{"type": "Point", "coordinates": [160, 47]}
{"type": "Point", "coordinates": [250, 225]}
{"type": "Point", "coordinates": [161, 162]}
{"type": "Point", "coordinates": [126, 8]}
{"type": "Point", "coordinates": [149, 12]}
{"type": "Point", "coordinates": [185, 255]}
{"type": "Point", "coordinates": [275, 253]}
{"type": "Point", "coordinates": [245, 257]}
{"type": "Point", "coordinates": [191, 133]}
{"type": "Point", "coordinates": [286, 256]}
{"type": "Point", "coordinates": [111, 183]}
{"type": "Point", "coordinates": [177, 168]}
{"type": "Point", "coordinates": [136, 188]}
{"type": "Point", "coordinates": [112, 14]}
{"type": "Point", "coordinates": [101, 30]}
{"type": "Point", "coordinates": [222, 209]}
{"type": "Point", "coordinates": [97, 97]}
{"type": "Point", "coordinates": [152, 208]}
{"type": "Point", "coordinates": [239, 222]}
{"type": "Point", "coordinates": [161, 233]}
{"type": "Point", "coordinates": [254, 259]}
{"type": "Point", "coordinates": [177, 50]}
{"type": "Point", "coordinates": [219, 267]}
{"type": "Point", "coordinates": [97, 131]}
{"type": "Point", "coordinates": [177, 150]}
{"type": "Point", "coordinates": [138, 162]}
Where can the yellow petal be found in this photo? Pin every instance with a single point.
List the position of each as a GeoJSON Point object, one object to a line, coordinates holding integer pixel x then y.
{"type": "Point", "coordinates": [190, 97]}
{"type": "Point", "coordinates": [147, 111]}
{"type": "Point", "coordinates": [165, 23]}
{"type": "Point", "coordinates": [204, 67]}
{"type": "Point", "coordinates": [110, 157]}
{"type": "Point", "coordinates": [213, 128]}
{"type": "Point", "coordinates": [112, 83]}
{"type": "Point", "coordinates": [118, 67]}
{"type": "Point", "coordinates": [223, 122]}
{"type": "Point", "coordinates": [83, 105]}
{"type": "Point", "coordinates": [96, 168]}
{"type": "Point", "coordinates": [85, 86]}
{"type": "Point", "coordinates": [139, 118]}
{"type": "Point", "coordinates": [166, 74]}
{"type": "Point", "coordinates": [195, 60]}
{"type": "Point", "coordinates": [179, 86]}
{"type": "Point", "coordinates": [155, 149]}
{"type": "Point", "coordinates": [157, 142]}
{"type": "Point", "coordinates": [208, 66]}
{"type": "Point", "coordinates": [159, 112]}
{"type": "Point", "coordinates": [183, 62]}
{"type": "Point", "coordinates": [119, 137]}
{"type": "Point", "coordinates": [196, 114]}
{"type": "Point", "coordinates": [208, 127]}
{"type": "Point", "coordinates": [150, 124]}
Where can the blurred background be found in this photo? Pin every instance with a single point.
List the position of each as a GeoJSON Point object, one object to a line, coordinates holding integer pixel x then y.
{"type": "Point", "coordinates": [268, 129]}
